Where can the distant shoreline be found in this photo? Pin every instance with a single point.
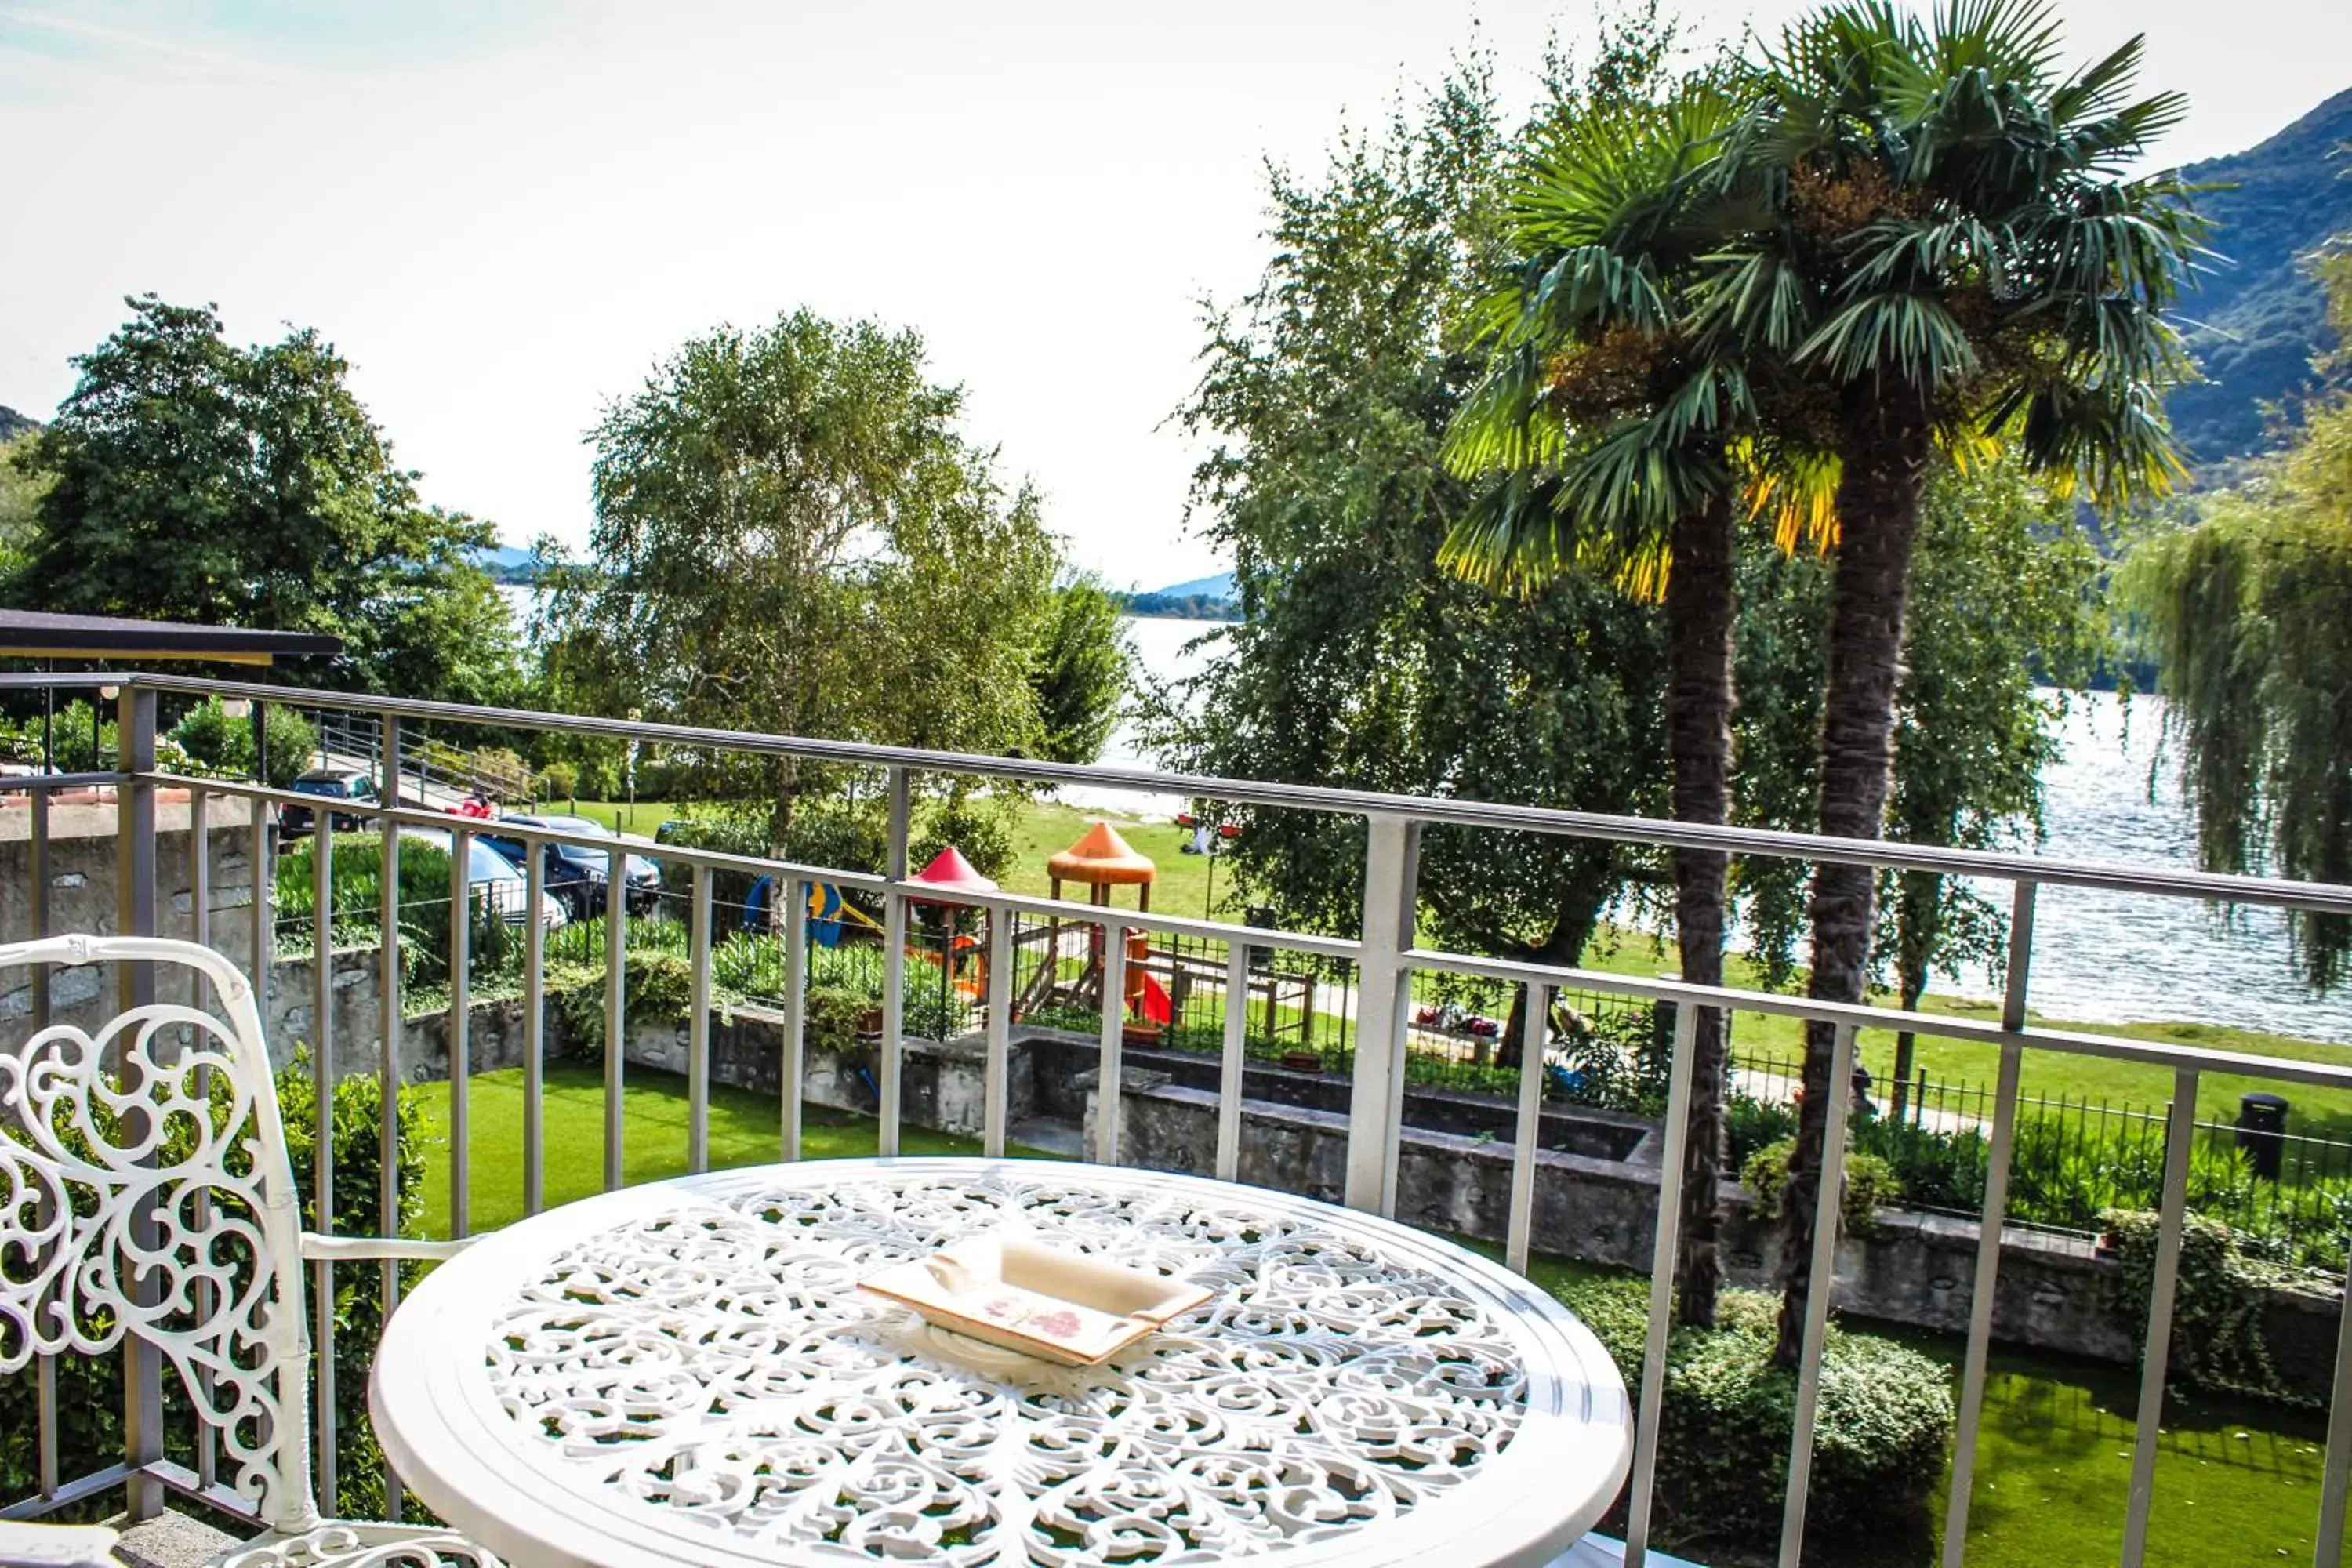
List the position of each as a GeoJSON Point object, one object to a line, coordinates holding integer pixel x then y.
{"type": "Point", "coordinates": [1179, 607]}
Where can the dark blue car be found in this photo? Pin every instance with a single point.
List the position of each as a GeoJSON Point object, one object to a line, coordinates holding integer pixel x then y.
{"type": "Point", "coordinates": [575, 873]}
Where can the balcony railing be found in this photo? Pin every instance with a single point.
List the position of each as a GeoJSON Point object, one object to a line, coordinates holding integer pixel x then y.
{"type": "Point", "coordinates": [1385, 956]}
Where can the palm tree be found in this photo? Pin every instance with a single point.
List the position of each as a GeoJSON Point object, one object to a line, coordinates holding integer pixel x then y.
{"type": "Point", "coordinates": [1953, 255]}
{"type": "Point", "coordinates": [1620, 440]}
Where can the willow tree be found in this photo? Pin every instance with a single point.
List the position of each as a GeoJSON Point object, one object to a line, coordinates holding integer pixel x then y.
{"type": "Point", "coordinates": [2246, 611]}
{"type": "Point", "coordinates": [1947, 247]}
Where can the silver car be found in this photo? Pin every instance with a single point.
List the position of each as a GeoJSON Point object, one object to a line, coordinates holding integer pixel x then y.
{"type": "Point", "coordinates": [504, 887]}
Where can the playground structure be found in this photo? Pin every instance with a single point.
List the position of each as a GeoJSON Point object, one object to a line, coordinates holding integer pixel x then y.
{"type": "Point", "coordinates": [1058, 962]}
{"type": "Point", "coordinates": [962, 959]}
{"type": "Point", "coordinates": [1101, 860]}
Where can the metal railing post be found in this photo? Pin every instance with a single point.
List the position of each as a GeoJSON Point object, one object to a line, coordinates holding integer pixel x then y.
{"type": "Point", "coordinates": [894, 967]}
{"type": "Point", "coordinates": [795, 1014]}
{"type": "Point", "coordinates": [134, 867]}
{"type": "Point", "coordinates": [534, 1029]}
{"type": "Point", "coordinates": [616, 1000]}
{"type": "Point", "coordinates": [37, 903]}
{"type": "Point", "coordinates": [322, 1134]}
{"type": "Point", "coordinates": [698, 1027]}
{"type": "Point", "coordinates": [262, 856]}
{"type": "Point", "coordinates": [44, 1367]}
{"type": "Point", "coordinates": [1111, 1066]}
{"type": "Point", "coordinates": [1827, 1207]}
{"type": "Point", "coordinates": [2173, 1215]}
{"type": "Point", "coordinates": [997, 1079]}
{"type": "Point", "coordinates": [390, 1020]}
{"type": "Point", "coordinates": [1651, 1413]}
{"type": "Point", "coordinates": [1988, 1234]}
{"type": "Point", "coordinates": [1376, 1101]}
{"type": "Point", "coordinates": [2336, 1469]}
{"type": "Point", "coordinates": [459, 1021]}
{"type": "Point", "coordinates": [1231, 1067]}
{"type": "Point", "coordinates": [200, 932]}
{"type": "Point", "coordinates": [1527, 1130]}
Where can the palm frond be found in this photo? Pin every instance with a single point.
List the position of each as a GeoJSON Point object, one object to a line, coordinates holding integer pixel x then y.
{"type": "Point", "coordinates": [1908, 338]}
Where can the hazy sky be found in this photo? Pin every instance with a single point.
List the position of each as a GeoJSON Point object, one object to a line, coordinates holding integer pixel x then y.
{"type": "Point", "coordinates": [503, 214]}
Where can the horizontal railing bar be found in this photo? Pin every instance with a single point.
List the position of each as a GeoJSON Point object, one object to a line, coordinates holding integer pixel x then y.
{"type": "Point", "coordinates": [447, 822]}
{"type": "Point", "coordinates": [80, 1487]}
{"type": "Point", "coordinates": [860, 881]}
{"type": "Point", "coordinates": [2151, 1053]}
{"type": "Point", "coordinates": [30, 782]}
{"type": "Point", "coordinates": [2206, 885]}
{"type": "Point", "coordinates": [63, 679]}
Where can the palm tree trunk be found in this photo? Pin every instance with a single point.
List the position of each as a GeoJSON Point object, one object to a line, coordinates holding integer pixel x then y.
{"type": "Point", "coordinates": [1573, 923]}
{"type": "Point", "coordinates": [1878, 509]}
{"type": "Point", "coordinates": [1699, 696]}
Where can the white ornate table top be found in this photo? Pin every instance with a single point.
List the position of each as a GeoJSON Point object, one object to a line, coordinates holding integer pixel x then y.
{"type": "Point", "coordinates": [685, 1372]}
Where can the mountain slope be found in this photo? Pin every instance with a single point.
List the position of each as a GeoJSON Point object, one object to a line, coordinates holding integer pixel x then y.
{"type": "Point", "coordinates": [1220, 586]}
{"type": "Point", "coordinates": [2262, 318]}
{"type": "Point", "coordinates": [13, 425]}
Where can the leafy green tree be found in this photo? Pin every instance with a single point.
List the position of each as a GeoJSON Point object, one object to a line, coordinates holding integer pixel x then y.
{"type": "Point", "coordinates": [1081, 677]}
{"type": "Point", "coordinates": [191, 480]}
{"type": "Point", "coordinates": [1942, 242]}
{"type": "Point", "coordinates": [1360, 659]}
{"type": "Point", "coordinates": [23, 483]}
{"type": "Point", "coordinates": [2246, 610]}
{"type": "Point", "coordinates": [791, 538]}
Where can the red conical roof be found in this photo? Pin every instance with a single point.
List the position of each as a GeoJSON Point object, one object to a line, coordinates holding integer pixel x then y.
{"type": "Point", "coordinates": [1102, 857]}
{"type": "Point", "coordinates": [948, 869]}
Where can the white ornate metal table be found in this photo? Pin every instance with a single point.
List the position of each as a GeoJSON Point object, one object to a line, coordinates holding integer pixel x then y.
{"type": "Point", "coordinates": [685, 1372]}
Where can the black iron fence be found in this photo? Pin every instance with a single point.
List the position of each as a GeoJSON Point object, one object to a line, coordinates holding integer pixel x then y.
{"type": "Point", "coordinates": [2288, 1193]}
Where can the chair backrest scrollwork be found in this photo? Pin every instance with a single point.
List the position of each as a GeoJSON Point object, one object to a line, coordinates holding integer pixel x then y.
{"type": "Point", "coordinates": [145, 1190]}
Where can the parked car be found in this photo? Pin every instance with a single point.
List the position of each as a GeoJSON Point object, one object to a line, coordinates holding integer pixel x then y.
{"type": "Point", "coordinates": [500, 883]}
{"type": "Point", "coordinates": [574, 872]}
{"type": "Point", "coordinates": [331, 784]}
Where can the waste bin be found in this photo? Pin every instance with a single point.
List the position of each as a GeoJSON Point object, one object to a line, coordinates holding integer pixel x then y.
{"type": "Point", "coordinates": [2262, 1132]}
{"type": "Point", "coordinates": [1261, 959]}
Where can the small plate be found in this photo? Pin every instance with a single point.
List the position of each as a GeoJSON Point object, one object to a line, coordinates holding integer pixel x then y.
{"type": "Point", "coordinates": [1055, 1306]}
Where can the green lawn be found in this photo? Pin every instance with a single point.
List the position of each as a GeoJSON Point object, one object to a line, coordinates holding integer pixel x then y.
{"type": "Point", "coordinates": [642, 819]}
{"type": "Point", "coordinates": [744, 1132]}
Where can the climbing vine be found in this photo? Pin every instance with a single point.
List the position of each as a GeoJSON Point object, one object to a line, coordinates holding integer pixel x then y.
{"type": "Point", "coordinates": [2218, 1339]}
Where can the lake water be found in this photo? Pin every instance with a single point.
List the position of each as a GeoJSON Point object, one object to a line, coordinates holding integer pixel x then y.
{"type": "Point", "coordinates": [2097, 956]}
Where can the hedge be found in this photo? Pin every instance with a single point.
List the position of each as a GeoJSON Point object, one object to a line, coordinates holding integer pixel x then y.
{"type": "Point", "coordinates": [89, 1388]}
{"type": "Point", "coordinates": [1882, 1427]}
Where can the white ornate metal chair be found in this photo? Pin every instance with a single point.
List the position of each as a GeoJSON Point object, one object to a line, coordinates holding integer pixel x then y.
{"type": "Point", "coordinates": [145, 1190]}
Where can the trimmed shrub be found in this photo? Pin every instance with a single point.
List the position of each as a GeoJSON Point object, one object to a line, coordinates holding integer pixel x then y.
{"type": "Point", "coordinates": [492, 944]}
{"type": "Point", "coordinates": [222, 746]}
{"type": "Point", "coordinates": [1882, 1426]}
{"type": "Point", "coordinates": [1751, 1123]}
{"type": "Point", "coordinates": [1871, 1184]}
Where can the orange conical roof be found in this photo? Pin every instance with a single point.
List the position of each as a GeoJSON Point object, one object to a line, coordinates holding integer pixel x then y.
{"type": "Point", "coordinates": [948, 869]}
{"type": "Point", "coordinates": [1102, 857]}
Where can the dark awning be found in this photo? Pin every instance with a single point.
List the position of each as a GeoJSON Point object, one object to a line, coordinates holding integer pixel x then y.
{"type": "Point", "coordinates": [37, 633]}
